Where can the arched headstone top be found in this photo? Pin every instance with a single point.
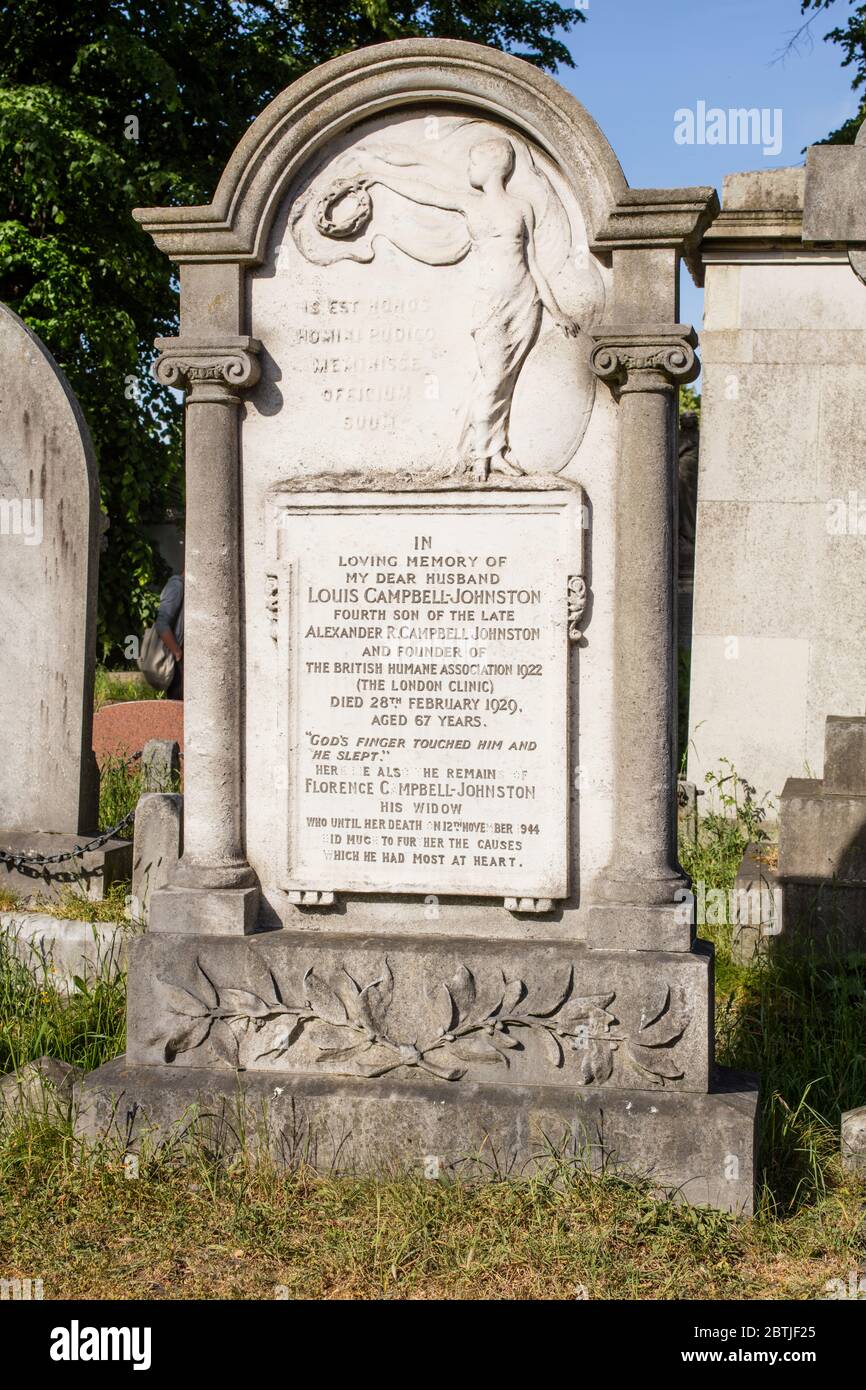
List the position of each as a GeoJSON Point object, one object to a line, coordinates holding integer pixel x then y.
{"type": "Point", "coordinates": [373, 82]}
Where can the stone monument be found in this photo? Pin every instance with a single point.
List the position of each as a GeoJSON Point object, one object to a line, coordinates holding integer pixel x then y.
{"type": "Point", "coordinates": [427, 908]}
{"type": "Point", "coordinates": [780, 582]}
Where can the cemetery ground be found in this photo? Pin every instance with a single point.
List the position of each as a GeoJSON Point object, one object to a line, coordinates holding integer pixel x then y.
{"type": "Point", "coordinates": [186, 1226]}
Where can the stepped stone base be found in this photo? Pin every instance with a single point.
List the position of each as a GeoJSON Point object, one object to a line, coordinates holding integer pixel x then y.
{"type": "Point", "coordinates": [700, 1147]}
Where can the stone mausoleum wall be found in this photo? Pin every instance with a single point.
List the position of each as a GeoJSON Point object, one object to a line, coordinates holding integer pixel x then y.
{"type": "Point", "coordinates": [779, 638]}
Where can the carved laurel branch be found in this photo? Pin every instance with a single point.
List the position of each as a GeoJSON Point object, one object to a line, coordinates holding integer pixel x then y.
{"type": "Point", "coordinates": [465, 1027]}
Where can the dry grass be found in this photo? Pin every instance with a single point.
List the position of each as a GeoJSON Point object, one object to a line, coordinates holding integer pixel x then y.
{"type": "Point", "coordinates": [196, 1231]}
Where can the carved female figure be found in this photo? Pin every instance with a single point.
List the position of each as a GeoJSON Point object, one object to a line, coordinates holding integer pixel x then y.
{"type": "Point", "coordinates": [511, 291]}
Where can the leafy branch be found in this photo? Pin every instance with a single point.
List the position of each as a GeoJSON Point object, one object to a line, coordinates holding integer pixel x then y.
{"type": "Point", "coordinates": [465, 1027]}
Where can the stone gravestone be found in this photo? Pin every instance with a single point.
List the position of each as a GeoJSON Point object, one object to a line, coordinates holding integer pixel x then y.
{"type": "Point", "coordinates": [49, 555]}
{"type": "Point", "coordinates": [49, 539]}
{"type": "Point", "coordinates": [428, 911]}
{"type": "Point", "coordinates": [822, 842]}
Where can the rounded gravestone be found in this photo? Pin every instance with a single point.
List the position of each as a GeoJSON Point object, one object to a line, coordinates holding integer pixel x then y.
{"type": "Point", "coordinates": [49, 514]}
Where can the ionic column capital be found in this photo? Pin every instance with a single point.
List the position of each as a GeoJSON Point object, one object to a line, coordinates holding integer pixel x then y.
{"type": "Point", "coordinates": [631, 360]}
{"type": "Point", "coordinates": [208, 369]}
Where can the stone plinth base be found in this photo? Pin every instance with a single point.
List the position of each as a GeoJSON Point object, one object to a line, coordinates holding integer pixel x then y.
{"type": "Point", "coordinates": [90, 875]}
{"type": "Point", "coordinates": [700, 1147]}
{"type": "Point", "coordinates": [58, 951]}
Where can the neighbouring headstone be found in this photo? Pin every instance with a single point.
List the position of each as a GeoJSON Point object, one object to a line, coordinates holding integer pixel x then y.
{"type": "Point", "coordinates": [49, 537]}
{"type": "Point", "coordinates": [160, 765]}
{"type": "Point", "coordinates": [854, 1141]}
{"type": "Point", "coordinates": [780, 584]}
{"type": "Point", "coordinates": [65, 953]}
{"type": "Point", "coordinates": [822, 841]}
{"type": "Point", "coordinates": [127, 727]}
{"type": "Point", "coordinates": [40, 1088]}
{"type": "Point", "coordinates": [49, 554]}
{"type": "Point", "coordinates": [429, 905]}
{"type": "Point", "coordinates": [157, 846]}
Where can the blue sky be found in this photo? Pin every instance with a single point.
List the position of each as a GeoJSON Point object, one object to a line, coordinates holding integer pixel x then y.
{"type": "Point", "coordinates": [639, 61]}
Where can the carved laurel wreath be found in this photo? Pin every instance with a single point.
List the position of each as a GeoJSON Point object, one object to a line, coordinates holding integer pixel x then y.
{"type": "Point", "coordinates": [332, 219]}
{"type": "Point", "coordinates": [464, 1029]}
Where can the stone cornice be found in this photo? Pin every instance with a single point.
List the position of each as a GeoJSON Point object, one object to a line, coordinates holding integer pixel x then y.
{"type": "Point", "coordinates": [224, 366]}
{"type": "Point", "coordinates": [660, 217]}
{"type": "Point", "coordinates": [748, 224]}
{"type": "Point", "coordinates": [644, 359]}
{"type": "Point", "coordinates": [649, 217]}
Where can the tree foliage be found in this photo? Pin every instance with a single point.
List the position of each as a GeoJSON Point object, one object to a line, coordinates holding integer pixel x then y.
{"type": "Point", "coordinates": [851, 36]}
{"type": "Point", "coordinates": [106, 105]}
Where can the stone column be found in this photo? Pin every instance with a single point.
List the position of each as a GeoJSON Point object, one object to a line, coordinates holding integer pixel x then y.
{"type": "Point", "coordinates": [213, 374]}
{"type": "Point", "coordinates": [644, 369]}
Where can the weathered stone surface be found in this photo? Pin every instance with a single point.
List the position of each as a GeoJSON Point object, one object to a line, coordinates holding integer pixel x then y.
{"type": "Point", "coordinates": [761, 191]}
{"type": "Point", "coordinates": [854, 1141]}
{"type": "Point", "coordinates": [778, 641]}
{"type": "Point", "coordinates": [43, 1087]}
{"type": "Point", "coordinates": [835, 178]}
{"type": "Point", "coordinates": [49, 538]}
{"type": "Point", "coordinates": [157, 844]}
{"type": "Point", "coordinates": [697, 1147]}
{"type": "Point", "coordinates": [822, 842]}
{"type": "Point", "coordinates": [821, 836]}
{"type": "Point", "coordinates": [160, 765]}
{"type": "Point", "coordinates": [58, 950]}
{"type": "Point", "coordinates": [90, 874]}
{"type": "Point", "coordinates": [845, 756]}
{"type": "Point", "coordinates": [231, 912]}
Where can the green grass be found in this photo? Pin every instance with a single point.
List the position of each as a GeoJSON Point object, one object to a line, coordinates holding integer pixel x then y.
{"type": "Point", "coordinates": [119, 789]}
{"type": "Point", "coordinates": [190, 1226]}
{"type": "Point", "coordinates": [85, 1028]}
{"type": "Point", "coordinates": [795, 1016]}
{"type": "Point", "coordinates": [108, 690]}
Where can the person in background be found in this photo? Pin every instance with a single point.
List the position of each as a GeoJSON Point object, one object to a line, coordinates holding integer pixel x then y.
{"type": "Point", "coordinates": [169, 625]}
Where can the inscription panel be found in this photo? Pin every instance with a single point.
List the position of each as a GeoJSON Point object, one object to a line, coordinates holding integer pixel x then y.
{"type": "Point", "coordinates": [427, 651]}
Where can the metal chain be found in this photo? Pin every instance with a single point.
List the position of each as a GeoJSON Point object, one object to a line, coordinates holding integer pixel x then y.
{"type": "Point", "coordinates": [17, 861]}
